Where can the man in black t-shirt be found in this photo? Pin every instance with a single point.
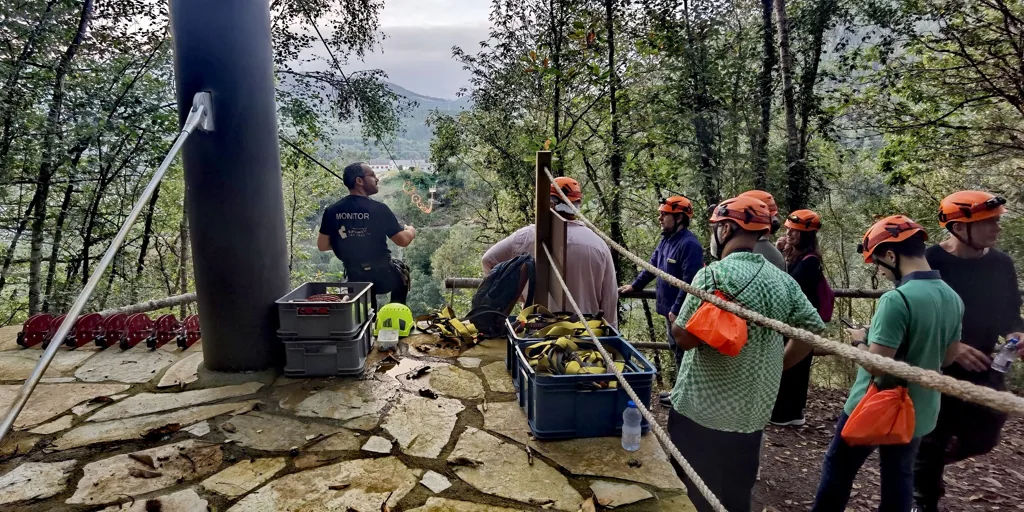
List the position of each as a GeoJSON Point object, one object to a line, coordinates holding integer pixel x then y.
{"type": "Point", "coordinates": [356, 229]}
{"type": "Point", "coordinates": [986, 281]}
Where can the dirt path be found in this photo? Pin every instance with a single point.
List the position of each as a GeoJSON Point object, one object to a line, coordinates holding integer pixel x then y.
{"type": "Point", "coordinates": [791, 465]}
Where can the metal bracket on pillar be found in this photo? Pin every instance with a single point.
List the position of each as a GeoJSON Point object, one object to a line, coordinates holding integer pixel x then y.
{"type": "Point", "coordinates": [204, 100]}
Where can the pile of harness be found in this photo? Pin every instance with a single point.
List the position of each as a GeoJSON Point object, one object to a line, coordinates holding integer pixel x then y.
{"type": "Point", "coordinates": [568, 356]}
{"type": "Point", "coordinates": [537, 322]}
{"type": "Point", "coordinates": [447, 326]}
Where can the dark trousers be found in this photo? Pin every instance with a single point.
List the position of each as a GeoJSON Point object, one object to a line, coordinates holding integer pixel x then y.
{"type": "Point", "coordinates": [676, 351]}
{"type": "Point", "coordinates": [842, 462]}
{"type": "Point", "coordinates": [792, 397]}
{"type": "Point", "coordinates": [963, 430]}
{"type": "Point", "coordinates": [726, 462]}
{"type": "Point", "coordinates": [386, 279]}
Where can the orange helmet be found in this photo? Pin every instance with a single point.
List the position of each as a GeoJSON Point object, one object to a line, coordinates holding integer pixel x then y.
{"type": "Point", "coordinates": [676, 204]}
{"type": "Point", "coordinates": [765, 198]}
{"type": "Point", "coordinates": [895, 228]}
{"type": "Point", "coordinates": [803, 220]}
{"type": "Point", "coordinates": [569, 187]}
{"type": "Point", "coordinates": [970, 206]}
{"type": "Point", "coordinates": [751, 214]}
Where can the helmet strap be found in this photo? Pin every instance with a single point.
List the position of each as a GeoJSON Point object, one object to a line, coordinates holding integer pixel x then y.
{"type": "Point", "coordinates": [719, 243]}
{"type": "Point", "coordinates": [895, 268]}
{"type": "Point", "coordinates": [970, 239]}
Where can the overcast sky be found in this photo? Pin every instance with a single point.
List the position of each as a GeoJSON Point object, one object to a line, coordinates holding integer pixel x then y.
{"type": "Point", "coordinates": [417, 51]}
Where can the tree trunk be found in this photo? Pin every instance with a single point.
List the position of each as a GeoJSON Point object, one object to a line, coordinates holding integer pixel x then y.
{"type": "Point", "coordinates": [765, 89]}
{"type": "Point", "coordinates": [616, 142]}
{"type": "Point", "coordinates": [796, 172]}
{"type": "Point", "coordinates": [146, 234]}
{"type": "Point", "coordinates": [824, 10]}
{"type": "Point", "coordinates": [46, 166]}
{"type": "Point", "coordinates": [58, 233]}
{"type": "Point", "coordinates": [11, 102]}
{"type": "Point", "coordinates": [183, 255]}
{"type": "Point", "coordinates": [556, 44]}
{"type": "Point", "coordinates": [9, 257]}
{"type": "Point", "coordinates": [291, 227]}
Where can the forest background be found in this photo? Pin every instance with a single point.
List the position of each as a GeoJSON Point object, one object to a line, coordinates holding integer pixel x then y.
{"type": "Point", "coordinates": [857, 109]}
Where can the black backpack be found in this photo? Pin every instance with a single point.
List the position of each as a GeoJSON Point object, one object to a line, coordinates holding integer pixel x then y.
{"type": "Point", "coordinates": [497, 295]}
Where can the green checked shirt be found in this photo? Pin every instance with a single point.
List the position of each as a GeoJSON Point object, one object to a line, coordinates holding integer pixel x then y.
{"type": "Point", "coordinates": [736, 394]}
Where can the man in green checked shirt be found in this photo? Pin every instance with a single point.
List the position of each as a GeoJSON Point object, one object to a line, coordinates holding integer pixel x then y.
{"type": "Point", "coordinates": [721, 403]}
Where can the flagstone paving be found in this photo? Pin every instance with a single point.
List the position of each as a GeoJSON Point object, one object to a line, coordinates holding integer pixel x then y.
{"type": "Point", "coordinates": [141, 430]}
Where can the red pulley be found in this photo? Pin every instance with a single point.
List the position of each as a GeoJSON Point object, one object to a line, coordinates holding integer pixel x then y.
{"type": "Point", "coordinates": [139, 328]}
{"type": "Point", "coordinates": [190, 332]}
{"type": "Point", "coordinates": [113, 330]}
{"type": "Point", "coordinates": [34, 330]}
{"type": "Point", "coordinates": [54, 327]}
{"type": "Point", "coordinates": [167, 329]}
{"type": "Point", "coordinates": [87, 329]}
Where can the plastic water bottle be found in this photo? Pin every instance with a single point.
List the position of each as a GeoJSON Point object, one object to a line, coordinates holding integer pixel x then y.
{"type": "Point", "coordinates": [1007, 354]}
{"type": "Point", "coordinates": [631, 428]}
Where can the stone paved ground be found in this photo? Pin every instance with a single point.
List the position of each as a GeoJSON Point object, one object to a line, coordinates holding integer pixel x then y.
{"type": "Point", "coordinates": [113, 430]}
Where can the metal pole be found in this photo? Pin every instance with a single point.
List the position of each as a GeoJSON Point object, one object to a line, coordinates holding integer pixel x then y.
{"type": "Point", "coordinates": [197, 115]}
{"type": "Point", "coordinates": [233, 179]}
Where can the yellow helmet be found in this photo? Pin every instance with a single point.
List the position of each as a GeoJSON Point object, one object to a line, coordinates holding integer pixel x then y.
{"type": "Point", "coordinates": [394, 316]}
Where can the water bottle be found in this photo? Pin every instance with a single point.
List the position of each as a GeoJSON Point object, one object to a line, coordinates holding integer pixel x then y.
{"type": "Point", "coordinates": [631, 427]}
{"type": "Point", "coordinates": [1004, 358]}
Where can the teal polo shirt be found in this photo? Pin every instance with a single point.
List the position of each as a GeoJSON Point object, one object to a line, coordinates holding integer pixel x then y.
{"type": "Point", "coordinates": [931, 325]}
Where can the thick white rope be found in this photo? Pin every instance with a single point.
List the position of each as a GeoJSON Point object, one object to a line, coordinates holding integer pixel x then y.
{"type": "Point", "coordinates": [999, 400]}
{"type": "Point", "coordinates": [666, 441]}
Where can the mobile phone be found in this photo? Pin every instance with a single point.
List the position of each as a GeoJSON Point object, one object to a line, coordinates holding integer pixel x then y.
{"type": "Point", "coordinates": [848, 323]}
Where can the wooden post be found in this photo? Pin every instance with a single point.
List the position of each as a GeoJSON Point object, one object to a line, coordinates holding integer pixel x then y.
{"type": "Point", "coordinates": [550, 231]}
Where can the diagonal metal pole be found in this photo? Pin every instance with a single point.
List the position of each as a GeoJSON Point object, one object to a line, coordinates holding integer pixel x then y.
{"type": "Point", "coordinates": [199, 115]}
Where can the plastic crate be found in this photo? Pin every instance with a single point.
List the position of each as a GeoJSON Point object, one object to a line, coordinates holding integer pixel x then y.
{"type": "Point", "coordinates": [322, 358]}
{"type": "Point", "coordinates": [514, 339]}
{"type": "Point", "coordinates": [567, 406]}
{"type": "Point", "coordinates": [324, 320]}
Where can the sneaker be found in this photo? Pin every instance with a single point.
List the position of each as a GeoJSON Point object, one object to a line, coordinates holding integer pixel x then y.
{"type": "Point", "coordinates": [665, 398]}
{"type": "Point", "coordinates": [799, 422]}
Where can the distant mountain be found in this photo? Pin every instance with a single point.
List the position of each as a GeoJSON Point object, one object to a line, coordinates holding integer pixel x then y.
{"type": "Point", "coordinates": [430, 102]}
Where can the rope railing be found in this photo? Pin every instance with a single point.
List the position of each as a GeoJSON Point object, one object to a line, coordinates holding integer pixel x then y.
{"type": "Point", "coordinates": [659, 432]}
{"type": "Point", "coordinates": [199, 116]}
{"type": "Point", "coordinates": [999, 400]}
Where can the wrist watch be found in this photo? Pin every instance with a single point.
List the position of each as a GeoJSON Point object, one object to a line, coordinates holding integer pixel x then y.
{"type": "Point", "coordinates": [857, 343]}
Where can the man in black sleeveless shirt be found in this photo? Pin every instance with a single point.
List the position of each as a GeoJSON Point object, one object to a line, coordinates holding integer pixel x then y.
{"type": "Point", "coordinates": [356, 229]}
{"type": "Point", "coordinates": [986, 281]}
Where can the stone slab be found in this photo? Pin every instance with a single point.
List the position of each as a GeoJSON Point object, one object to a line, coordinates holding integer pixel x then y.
{"type": "Point", "coordinates": [423, 426]}
{"type": "Point", "coordinates": [345, 400]}
{"type": "Point", "coordinates": [446, 505]}
{"type": "Point", "coordinates": [86, 408]}
{"type": "Point", "coordinates": [501, 469]}
{"type": "Point", "coordinates": [18, 443]}
{"type": "Point", "coordinates": [35, 481]}
{"type": "Point", "coordinates": [9, 337]}
{"type": "Point", "coordinates": [679, 503]}
{"type": "Point", "coordinates": [57, 425]}
{"type": "Point", "coordinates": [430, 345]}
{"type": "Point", "coordinates": [151, 403]}
{"type": "Point", "coordinates": [18, 364]}
{"type": "Point", "coordinates": [457, 383]}
{"type": "Point", "coordinates": [611, 494]}
{"type": "Point", "coordinates": [244, 476]}
{"type": "Point", "coordinates": [133, 428]}
{"type": "Point", "coordinates": [181, 501]}
{"type": "Point", "coordinates": [363, 485]}
{"type": "Point", "coordinates": [199, 429]}
{"type": "Point", "coordinates": [435, 481]}
{"type": "Point", "coordinates": [185, 371]}
{"type": "Point", "coordinates": [469, 362]}
{"type": "Point", "coordinates": [377, 444]}
{"type": "Point", "coordinates": [488, 350]}
{"type": "Point", "coordinates": [51, 400]}
{"type": "Point", "coordinates": [109, 480]}
{"type": "Point", "coordinates": [273, 433]}
{"type": "Point", "coordinates": [498, 379]}
{"type": "Point", "coordinates": [130, 366]}
{"type": "Point", "coordinates": [596, 456]}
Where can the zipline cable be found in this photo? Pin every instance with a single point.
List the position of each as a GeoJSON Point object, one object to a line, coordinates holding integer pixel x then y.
{"type": "Point", "coordinates": [999, 400]}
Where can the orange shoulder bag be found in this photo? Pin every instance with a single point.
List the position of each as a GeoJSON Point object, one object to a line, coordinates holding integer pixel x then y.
{"type": "Point", "coordinates": [722, 330]}
{"type": "Point", "coordinates": [885, 415]}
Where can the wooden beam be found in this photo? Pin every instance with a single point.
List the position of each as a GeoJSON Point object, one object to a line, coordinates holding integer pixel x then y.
{"type": "Point", "coordinates": [542, 226]}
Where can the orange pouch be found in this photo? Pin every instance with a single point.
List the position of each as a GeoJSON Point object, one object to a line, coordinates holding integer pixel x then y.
{"type": "Point", "coordinates": [881, 417]}
{"type": "Point", "coordinates": [722, 330]}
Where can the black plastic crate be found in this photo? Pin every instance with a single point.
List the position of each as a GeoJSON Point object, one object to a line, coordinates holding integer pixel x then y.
{"type": "Point", "coordinates": [327, 357]}
{"type": "Point", "coordinates": [324, 320]}
{"type": "Point", "coordinates": [569, 406]}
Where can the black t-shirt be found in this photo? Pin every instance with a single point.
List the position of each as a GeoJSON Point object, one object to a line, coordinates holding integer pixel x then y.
{"type": "Point", "coordinates": [807, 273]}
{"type": "Point", "coordinates": [359, 228]}
{"type": "Point", "coordinates": [988, 287]}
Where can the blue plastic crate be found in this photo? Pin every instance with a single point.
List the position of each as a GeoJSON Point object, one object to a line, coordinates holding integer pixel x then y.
{"type": "Point", "coordinates": [514, 339]}
{"type": "Point", "coordinates": [568, 406]}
